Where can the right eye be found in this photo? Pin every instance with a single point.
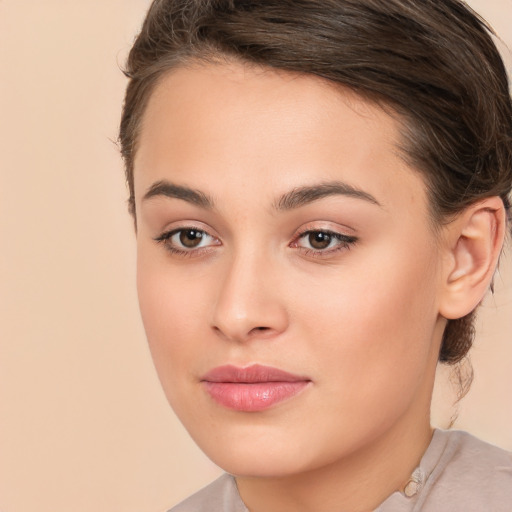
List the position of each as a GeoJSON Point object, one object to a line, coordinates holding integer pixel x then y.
{"type": "Point", "coordinates": [186, 241]}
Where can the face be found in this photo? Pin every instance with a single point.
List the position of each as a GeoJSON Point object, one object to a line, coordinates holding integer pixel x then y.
{"type": "Point", "coordinates": [288, 274]}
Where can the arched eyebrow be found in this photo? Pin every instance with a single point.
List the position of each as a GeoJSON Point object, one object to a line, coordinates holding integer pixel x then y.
{"type": "Point", "coordinates": [296, 198]}
{"type": "Point", "coordinates": [301, 196]}
{"type": "Point", "coordinates": [167, 189]}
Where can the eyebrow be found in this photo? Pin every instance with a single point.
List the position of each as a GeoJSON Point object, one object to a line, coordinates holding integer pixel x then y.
{"type": "Point", "coordinates": [296, 198]}
{"type": "Point", "coordinates": [167, 189]}
{"type": "Point", "coordinates": [304, 195]}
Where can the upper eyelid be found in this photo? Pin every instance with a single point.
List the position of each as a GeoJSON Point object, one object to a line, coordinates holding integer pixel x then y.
{"type": "Point", "coordinates": [322, 230]}
{"type": "Point", "coordinates": [197, 226]}
{"type": "Point", "coordinates": [332, 231]}
{"type": "Point", "coordinates": [325, 225]}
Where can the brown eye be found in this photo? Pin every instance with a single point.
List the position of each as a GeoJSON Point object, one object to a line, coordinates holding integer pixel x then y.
{"type": "Point", "coordinates": [324, 242]}
{"type": "Point", "coordinates": [190, 238]}
{"type": "Point", "coordinates": [319, 240]}
{"type": "Point", "coordinates": [187, 241]}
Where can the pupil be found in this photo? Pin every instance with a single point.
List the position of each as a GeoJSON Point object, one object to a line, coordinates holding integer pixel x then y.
{"type": "Point", "coordinates": [319, 240]}
{"type": "Point", "coordinates": [191, 238]}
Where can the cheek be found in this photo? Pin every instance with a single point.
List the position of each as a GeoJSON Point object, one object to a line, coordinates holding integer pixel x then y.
{"type": "Point", "coordinates": [372, 329]}
{"type": "Point", "coordinates": [171, 306]}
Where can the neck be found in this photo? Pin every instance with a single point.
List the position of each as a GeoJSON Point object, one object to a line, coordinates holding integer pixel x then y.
{"type": "Point", "coordinates": [359, 482]}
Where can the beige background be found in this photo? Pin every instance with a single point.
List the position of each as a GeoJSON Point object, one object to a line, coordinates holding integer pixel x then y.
{"type": "Point", "coordinates": [83, 423]}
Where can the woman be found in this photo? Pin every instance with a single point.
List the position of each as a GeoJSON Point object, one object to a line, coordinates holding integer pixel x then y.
{"type": "Point", "coordinates": [321, 193]}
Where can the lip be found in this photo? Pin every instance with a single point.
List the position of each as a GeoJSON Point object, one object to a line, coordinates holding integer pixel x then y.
{"type": "Point", "coordinates": [253, 388]}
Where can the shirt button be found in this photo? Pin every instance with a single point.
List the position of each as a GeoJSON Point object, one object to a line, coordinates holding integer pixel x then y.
{"type": "Point", "coordinates": [411, 488]}
{"type": "Point", "coordinates": [415, 483]}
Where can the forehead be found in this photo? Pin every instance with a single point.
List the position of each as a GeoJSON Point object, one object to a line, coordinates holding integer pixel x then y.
{"type": "Point", "coordinates": [235, 94]}
{"type": "Point", "coordinates": [259, 129]}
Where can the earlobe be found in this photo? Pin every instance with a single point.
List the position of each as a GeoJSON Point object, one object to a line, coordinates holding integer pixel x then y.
{"type": "Point", "coordinates": [474, 242]}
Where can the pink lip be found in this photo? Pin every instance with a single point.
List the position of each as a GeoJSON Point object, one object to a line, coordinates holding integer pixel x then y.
{"type": "Point", "coordinates": [251, 389]}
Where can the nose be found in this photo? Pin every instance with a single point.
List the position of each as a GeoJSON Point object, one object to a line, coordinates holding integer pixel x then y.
{"type": "Point", "coordinates": [250, 303]}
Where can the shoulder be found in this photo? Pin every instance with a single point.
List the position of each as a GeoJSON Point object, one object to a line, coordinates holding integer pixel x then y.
{"type": "Point", "coordinates": [471, 475]}
{"type": "Point", "coordinates": [476, 457]}
{"type": "Point", "coordinates": [221, 496]}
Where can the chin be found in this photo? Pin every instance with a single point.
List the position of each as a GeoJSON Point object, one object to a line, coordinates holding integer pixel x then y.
{"type": "Point", "coordinates": [258, 463]}
{"type": "Point", "coordinates": [263, 452]}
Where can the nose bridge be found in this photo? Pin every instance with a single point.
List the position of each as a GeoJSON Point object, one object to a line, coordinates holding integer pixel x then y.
{"type": "Point", "coordinates": [249, 303]}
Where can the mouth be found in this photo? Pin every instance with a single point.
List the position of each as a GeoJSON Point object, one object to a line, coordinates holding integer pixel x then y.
{"type": "Point", "coordinates": [252, 389]}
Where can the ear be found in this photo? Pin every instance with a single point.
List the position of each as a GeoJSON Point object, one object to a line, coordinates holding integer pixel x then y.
{"type": "Point", "coordinates": [473, 244]}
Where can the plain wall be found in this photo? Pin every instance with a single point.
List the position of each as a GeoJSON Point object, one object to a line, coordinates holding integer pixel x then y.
{"type": "Point", "coordinates": [83, 423]}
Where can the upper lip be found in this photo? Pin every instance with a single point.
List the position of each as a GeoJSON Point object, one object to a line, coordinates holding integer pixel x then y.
{"type": "Point", "coordinates": [250, 374]}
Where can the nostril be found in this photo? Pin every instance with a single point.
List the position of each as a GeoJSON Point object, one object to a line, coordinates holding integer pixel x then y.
{"type": "Point", "coordinates": [256, 331]}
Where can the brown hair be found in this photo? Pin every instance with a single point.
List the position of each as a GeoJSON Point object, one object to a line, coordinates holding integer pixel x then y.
{"type": "Point", "coordinates": [432, 61]}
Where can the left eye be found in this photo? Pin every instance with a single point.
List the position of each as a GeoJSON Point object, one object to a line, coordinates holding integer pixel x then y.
{"type": "Point", "coordinates": [186, 239]}
{"type": "Point", "coordinates": [322, 240]}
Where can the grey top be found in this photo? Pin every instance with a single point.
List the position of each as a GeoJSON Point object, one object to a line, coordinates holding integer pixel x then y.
{"type": "Point", "coordinates": [457, 473]}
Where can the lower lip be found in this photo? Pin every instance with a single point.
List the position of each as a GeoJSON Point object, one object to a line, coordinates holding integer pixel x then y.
{"type": "Point", "coordinates": [252, 397]}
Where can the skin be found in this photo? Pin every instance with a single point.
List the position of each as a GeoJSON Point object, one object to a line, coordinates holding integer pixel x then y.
{"type": "Point", "coordinates": [362, 320]}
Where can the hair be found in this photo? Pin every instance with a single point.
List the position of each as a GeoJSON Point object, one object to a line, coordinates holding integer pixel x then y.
{"type": "Point", "coordinates": [432, 62]}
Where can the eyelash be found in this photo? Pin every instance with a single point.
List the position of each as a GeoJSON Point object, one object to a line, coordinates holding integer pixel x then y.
{"type": "Point", "coordinates": [345, 242]}
{"type": "Point", "coordinates": [165, 239]}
